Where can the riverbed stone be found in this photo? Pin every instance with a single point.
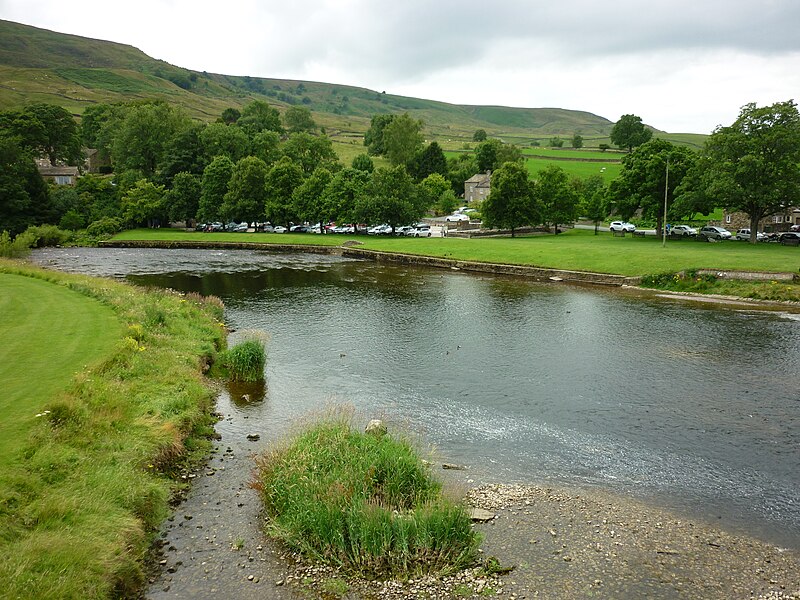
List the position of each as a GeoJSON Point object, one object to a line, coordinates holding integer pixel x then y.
{"type": "Point", "coordinates": [376, 427]}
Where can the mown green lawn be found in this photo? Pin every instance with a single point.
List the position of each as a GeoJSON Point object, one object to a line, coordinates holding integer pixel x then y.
{"type": "Point", "coordinates": [47, 334]}
{"type": "Point", "coordinates": [576, 249]}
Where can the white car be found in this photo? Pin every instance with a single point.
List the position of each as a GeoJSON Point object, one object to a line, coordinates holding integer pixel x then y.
{"type": "Point", "coordinates": [419, 231]}
{"type": "Point", "coordinates": [622, 226]}
{"type": "Point", "coordinates": [709, 232]}
{"type": "Point", "coordinates": [744, 234]}
{"type": "Point", "coordinates": [455, 218]}
{"type": "Point", "coordinates": [683, 230]}
{"type": "Point", "coordinates": [279, 229]}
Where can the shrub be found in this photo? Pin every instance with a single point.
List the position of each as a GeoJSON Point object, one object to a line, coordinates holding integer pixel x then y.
{"type": "Point", "coordinates": [364, 503]}
{"type": "Point", "coordinates": [245, 361]}
{"type": "Point", "coordinates": [72, 220]}
{"type": "Point", "coordinates": [104, 226]}
{"type": "Point", "coordinates": [19, 247]}
{"type": "Point", "coordinates": [48, 235]}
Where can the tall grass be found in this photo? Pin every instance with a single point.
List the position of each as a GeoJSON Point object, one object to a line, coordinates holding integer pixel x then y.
{"type": "Point", "coordinates": [364, 503]}
{"type": "Point", "coordinates": [245, 361]}
{"type": "Point", "coordinates": [89, 479]}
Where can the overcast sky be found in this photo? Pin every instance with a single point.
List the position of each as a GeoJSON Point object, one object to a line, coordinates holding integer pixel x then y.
{"type": "Point", "coordinates": [681, 65]}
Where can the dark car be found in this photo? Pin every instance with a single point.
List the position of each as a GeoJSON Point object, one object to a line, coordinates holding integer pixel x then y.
{"type": "Point", "coordinates": [790, 238]}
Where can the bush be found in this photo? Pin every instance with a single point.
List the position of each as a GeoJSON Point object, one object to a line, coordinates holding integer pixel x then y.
{"type": "Point", "coordinates": [72, 220]}
{"type": "Point", "coordinates": [48, 235]}
{"type": "Point", "coordinates": [364, 503]}
{"type": "Point", "coordinates": [105, 226]}
{"type": "Point", "coordinates": [245, 361]}
{"type": "Point", "coordinates": [19, 247]}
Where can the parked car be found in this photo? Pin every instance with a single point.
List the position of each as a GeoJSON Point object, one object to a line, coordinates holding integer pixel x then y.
{"type": "Point", "coordinates": [402, 229]}
{"type": "Point", "coordinates": [711, 232]}
{"type": "Point", "coordinates": [299, 229]}
{"type": "Point", "coordinates": [279, 229]}
{"type": "Point", "coordinates": [266, 228]}
{"type": "Point", "coordinates": [795, 227]}
{"type": "Point", "coordinates": [421, 230]}
{"type": "Point", "coordinates": [380, 230]}
{"type": "Point", "coordinates": [744, 234]}
{"type": "Point", "coordinates": [622, 226]}
{"type": "Point", "coordinates": [455, 218]}
{"type": "Point", "coordinates": [790, 238]}
{"type": "Point", "coordinates": [683, 230]}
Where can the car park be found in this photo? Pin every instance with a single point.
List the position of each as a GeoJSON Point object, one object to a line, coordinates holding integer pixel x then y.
{"type": "Point", "coordinates": [744, 234]}
{"type": "Point", "coordinates": [455, 218]}
{"type": "Point", "coordinates": [622, 226]}
{"type": "Point", "coordinates": [683, 231]}
{"type": "Point", "coordinates": [711, 232]}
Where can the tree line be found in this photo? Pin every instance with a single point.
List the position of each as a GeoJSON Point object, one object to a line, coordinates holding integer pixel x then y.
{"type": "Point", "coordinates": [255, 164]}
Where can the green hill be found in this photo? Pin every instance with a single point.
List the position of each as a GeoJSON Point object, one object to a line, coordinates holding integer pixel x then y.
{"type": "Point", "coordinates": [37, 65]}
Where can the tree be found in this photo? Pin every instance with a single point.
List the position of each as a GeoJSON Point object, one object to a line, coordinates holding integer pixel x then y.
{"type": "Point", "coordinates": [577, 141]}
{"type": "Point", "coordinates": [556, 142]}
{"type": "Point", "coordinates": [750, 166]}
{"type": "Point", "coordinates": [259, 116]}
{"type": "Point", "coordinates": [213, 188]}
{"type": "Point", "coordinates": [341, 197]}
{"type": "Point", "coordinates": [402, 138]}
{"type": "Point", "coordinates": [309, 198]}
{"type": "Point", "coordinates": [493, 153]}
{"type": "Point", "coordinates": [363, 162]}
{"type": "Point", "coordinates": [298, 119]}
{"type": "Point", "coordinates": [24, 196]}
{"type": "Point", "coordinates": [428, 161]}
{"type": "Point", "coordinates": [641, 183]}
{"type": "Point", "coordinates": [143, 135]}
{"type": "Point", "coordinates": [310, 152]}
{"type": "Point", "coordinates": [373, 138]}
{"type": "Point", "coordinates": [218, 138]}
{"type": "Point", "coordinates": [185, 152]}
{"type": "Point", "coordinates": [144, 204]}
{"type": "Point", "coordinates": [59, 137]}
{"type": "Point", "coordinates": [230, 115]}
{"type": "Point", "coordinates": [246, 195]}
{"type": "Point", "coordinates": [391, 197]}
{"type": "Point", "coordinates": [556, 196]}
{"type": "Point", "coordinates": [459, 169]}
{"type": "Point", "coordinates": [266, 146]}
{"type": "Point", "coordinates": [511, 203]}
{"type": "Point", "coordinates": [630, 132]}
{"type": "Point", "coordinates": [282, 179]}
{"type": "Point", "coordinates": [183, 199]}
{"type": "Point", "coordinates": [479, 135]}
{"type": "Point", "coordinates": [433, 188]}
{"type": "Point", "coordinates": [594, 204]}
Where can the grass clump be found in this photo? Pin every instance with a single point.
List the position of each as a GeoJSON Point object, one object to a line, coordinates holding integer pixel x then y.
{"type": "Point", "coordinates": [245, 361]}
{"type": "Point", "coordinates": [364, 503]}
{"type": "Point", "coordinates": [692, 282]}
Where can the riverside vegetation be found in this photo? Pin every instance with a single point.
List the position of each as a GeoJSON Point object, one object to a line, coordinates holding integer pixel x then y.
{"type": "Point", "coordinates": [92, 459]}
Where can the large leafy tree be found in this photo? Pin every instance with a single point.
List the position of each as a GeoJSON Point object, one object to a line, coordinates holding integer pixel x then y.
{"type": "Point", "coordinates": [512, 201]}
{"type": "Point", "coordinates": [298, 119]}
{"type": "Point", "coordinates": [259, 116]}
{"type": "Point", "coordinates": [183, 153]}
{"type": "Point", "coordinates": [493, 153]}
{"type": "Point", "coordinates": [428, 161]}
{"type": "Point", "coordinates": [402, 138]}
{"type": "Point", "coordinates": [214, 186]}
{"type": "Point", "coordinates": [218, 138]}
{"type": "Point", "coordinates": [283, 179]}
{"type": "Point", "coordinates": [246, 195]}
{"type": "Point", "coordinates": [100, 196]}
{"type": "Point", "coordinates": [343, 195]}
{"type": "Point", "coordinates": [630, 132]}
{"type": "Point", "coordinates": [556, 196]}
{"type": "Point", "coordinates": [752, 166]}
{"type": "Point", "coordinates": [48, 130]}
{"type": "Point", "coordinates": [373, 138]}
{"type": "Point", "coordinates": [642, 181]}
{"type": "Point", "coordinates": [309, 197]}
{"type": "Point", "coordinates": [594, 204]}
{"type": "Point", "coordinates": [266, 145]}
{"type": "Point", "coordinates": [24, 198]}
{"type": "Point", "coordinates": [142, 137]}
{"type": "Point", "coordinates": [144, 204]}
{"type": "Point", "coordinates": [182, 200]}
{"type": "Point", "coordinates": [391, 197]}
{"type": "Point", "coordinates": [310, 151]}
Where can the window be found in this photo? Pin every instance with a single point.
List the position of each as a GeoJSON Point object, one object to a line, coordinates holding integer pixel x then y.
{"type": "Point", "coordinates": [63, 179]}
{"type": "Point", "coordinates": [727, 218]}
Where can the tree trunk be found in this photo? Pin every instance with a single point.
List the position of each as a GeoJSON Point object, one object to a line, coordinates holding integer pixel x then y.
{"type": "Point", "coordinates": [754, 219]}
{"type": "Point", "coordinates": [512, 232]}
{"type": "Point", "coordinates": [596, 226]}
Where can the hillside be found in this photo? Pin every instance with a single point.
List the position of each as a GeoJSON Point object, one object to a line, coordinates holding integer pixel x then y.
{"type": "Point", "coordinates": [37, 65]}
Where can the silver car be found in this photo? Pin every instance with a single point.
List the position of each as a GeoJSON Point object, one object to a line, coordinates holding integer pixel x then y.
{"type": "Point", "coordinates": [711, 232]}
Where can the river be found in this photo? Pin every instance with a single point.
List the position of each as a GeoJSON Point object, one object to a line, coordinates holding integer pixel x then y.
{"type": "Point", "coordinates": [692, 406]}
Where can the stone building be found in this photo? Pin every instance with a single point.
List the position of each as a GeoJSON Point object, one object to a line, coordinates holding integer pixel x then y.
{"type": "Point", "coordinates": [477, 187]}
{"type": "Point", "coordinates": [777, 222]}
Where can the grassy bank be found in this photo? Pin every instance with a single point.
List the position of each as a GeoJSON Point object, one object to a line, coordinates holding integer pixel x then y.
{"type": "Point", "coordinates": [579, 250]}
{"type": "Point", "coordinates": [105, 397]}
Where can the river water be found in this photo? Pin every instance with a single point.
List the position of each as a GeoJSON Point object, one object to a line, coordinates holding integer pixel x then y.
{"type": "Point", "coordinates": [693, 406]}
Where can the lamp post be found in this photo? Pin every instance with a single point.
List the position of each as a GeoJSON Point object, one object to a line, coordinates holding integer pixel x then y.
{"type": "Point", "coordinates": [664, 224]}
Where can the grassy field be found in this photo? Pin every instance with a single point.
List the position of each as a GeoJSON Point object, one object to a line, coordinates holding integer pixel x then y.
{"type": "Point", "coordinates": [574, 250]}
{"type": "Point", "coordinates": [582, 169]}
{"type": "Point", "coordinates": [103, 401]}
